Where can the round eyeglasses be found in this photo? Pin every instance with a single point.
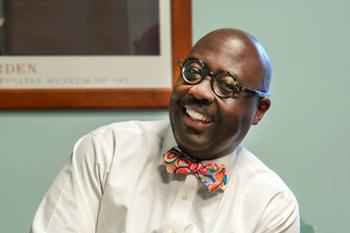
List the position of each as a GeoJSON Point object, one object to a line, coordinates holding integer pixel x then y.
{"type": "Point", "coordinates": [223, 83]}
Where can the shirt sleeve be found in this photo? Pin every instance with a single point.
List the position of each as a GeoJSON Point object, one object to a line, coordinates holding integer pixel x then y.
{"type": "Point", "coordinates": [72, 202]}
{"type": "Point", "coordinates": [281, 215]}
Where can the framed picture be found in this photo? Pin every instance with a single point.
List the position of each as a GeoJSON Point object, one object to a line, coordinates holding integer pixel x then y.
{"type": "Point", "coordinates": [56, 54]}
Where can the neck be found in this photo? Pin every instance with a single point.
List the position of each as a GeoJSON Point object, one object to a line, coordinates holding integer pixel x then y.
{"type": "Point", "coordinates": [206, 155]}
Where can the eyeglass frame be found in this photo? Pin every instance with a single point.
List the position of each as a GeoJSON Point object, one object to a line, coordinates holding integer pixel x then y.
{"type": "Point", "coordinates": [213, 75]}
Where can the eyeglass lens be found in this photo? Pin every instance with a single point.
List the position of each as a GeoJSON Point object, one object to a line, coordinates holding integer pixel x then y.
{"type": "Point", "coordinates": [223, 83]}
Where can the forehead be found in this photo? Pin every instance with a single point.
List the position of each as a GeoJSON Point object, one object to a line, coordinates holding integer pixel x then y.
{"type": "Point", "coordinates": [236, 55]}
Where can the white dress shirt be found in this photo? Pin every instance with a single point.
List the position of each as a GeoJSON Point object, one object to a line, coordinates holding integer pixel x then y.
{"type": "Point", "coordinates": [115, 183]}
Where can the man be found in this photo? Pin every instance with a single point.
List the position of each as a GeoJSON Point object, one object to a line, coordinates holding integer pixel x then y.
{"type": "Point", "coordinates": [124, 178]}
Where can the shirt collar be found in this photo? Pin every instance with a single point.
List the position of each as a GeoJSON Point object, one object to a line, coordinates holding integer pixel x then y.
{"type": "Point", "coordinates": [168, 140]}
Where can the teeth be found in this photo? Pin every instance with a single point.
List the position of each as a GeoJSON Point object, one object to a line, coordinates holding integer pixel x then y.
{"type": "Point", "coordinates": [196, 115]}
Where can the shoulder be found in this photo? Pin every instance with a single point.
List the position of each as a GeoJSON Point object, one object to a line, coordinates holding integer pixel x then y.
{"type": "Point", "coordinates": [100, 145]}
{"type": "Point", "coordinates": [261, 185]}
{"type": "Point", "coordinates": [109, 134]}
{"type": "Point", "coordinates": [257, 174]}
{"type": "Point", "coordinates": [131, 126]}
{"type": "Point", "coordinates": [263, 191]}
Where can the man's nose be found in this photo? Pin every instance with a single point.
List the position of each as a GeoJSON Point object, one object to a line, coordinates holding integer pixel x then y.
{"type": "Point", "coordinates": [203, 91]}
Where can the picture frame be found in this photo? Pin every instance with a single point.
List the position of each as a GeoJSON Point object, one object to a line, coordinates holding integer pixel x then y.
{"type": "Point", "coordinates": [129, 97]}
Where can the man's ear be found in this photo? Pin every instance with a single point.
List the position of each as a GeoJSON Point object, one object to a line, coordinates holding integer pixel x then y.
{"type": "Point", "coordinates": [263, 105]}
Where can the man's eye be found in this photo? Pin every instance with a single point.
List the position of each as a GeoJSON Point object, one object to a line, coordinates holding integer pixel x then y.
{"type": "Point", "coordinates": [225, 86]}
{"type": "Point", "coordinates": [192, 74]}
{"type": "Point", "coordinates": [193, 70]}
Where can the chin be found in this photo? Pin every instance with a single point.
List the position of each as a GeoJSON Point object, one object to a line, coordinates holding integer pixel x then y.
{"type": "Point", "coordinates": [198, 148]}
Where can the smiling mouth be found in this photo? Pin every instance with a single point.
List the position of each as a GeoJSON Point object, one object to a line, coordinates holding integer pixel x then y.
{"type": "Point", "coordinates": [197, 116]}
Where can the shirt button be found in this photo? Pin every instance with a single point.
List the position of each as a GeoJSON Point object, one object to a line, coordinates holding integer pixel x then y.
{"type": "Point", "coordinates": [184, 196]}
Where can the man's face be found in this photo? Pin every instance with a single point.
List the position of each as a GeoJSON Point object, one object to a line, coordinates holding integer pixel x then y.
{"type": "Point", "coordinates": [205, 125]}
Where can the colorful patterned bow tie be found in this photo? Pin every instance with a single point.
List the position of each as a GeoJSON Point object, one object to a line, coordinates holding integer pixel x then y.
{"type": "Point", "coordinates": [212, 175]}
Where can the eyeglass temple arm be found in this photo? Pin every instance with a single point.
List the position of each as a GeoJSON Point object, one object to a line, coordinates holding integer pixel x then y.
{"type": "Point", "coordinates": [260, 93]}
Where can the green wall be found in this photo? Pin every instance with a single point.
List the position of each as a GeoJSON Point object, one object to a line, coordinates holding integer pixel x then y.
{"type": "Point", "coordinates": [303, 137]}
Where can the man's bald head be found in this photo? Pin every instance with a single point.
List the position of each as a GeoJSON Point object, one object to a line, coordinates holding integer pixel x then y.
{"type": "Point", "coordinates": [239, 46]}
